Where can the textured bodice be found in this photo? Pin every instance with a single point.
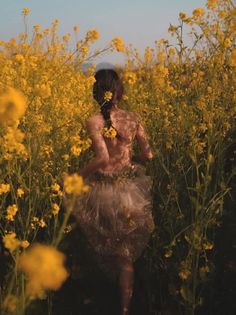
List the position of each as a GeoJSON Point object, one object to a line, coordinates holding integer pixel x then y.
{"type": "Point", "coordinates": [117, 151]}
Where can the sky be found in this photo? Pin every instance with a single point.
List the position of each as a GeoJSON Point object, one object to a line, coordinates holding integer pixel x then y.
{"type": "Point", "coordinates": [139, 22]}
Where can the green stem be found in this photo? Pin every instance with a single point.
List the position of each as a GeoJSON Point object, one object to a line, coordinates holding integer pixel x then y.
{"type": "Point", "coordinates": [64, 223]}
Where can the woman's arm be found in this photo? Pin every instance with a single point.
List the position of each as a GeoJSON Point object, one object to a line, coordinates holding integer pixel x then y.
{"type": "Point", "coordinates": [99, 147]}
{"type": "Point", "coordinates": [146, 151]}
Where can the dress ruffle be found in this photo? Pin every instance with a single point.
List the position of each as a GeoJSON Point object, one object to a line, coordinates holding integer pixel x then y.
{"type": "Point", "coordinates": [116, 213]}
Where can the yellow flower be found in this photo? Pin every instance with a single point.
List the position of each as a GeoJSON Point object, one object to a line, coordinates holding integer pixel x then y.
{"type": "Point", "coordinates": [20, 192]}
{"type": "Point", "coordinates": [199, 146]}
{"type": "Point", "coordinates": [66, 157]}
{"type": "Point", "coordinates": [109, 132]}
{"type": "Point", "coordinates": [4, 188]}
{"type": "Point", "coordinates": [198, 12]}
{"type": "Point", "coordinates": [12, 106]}
{"type": "Point", "coordinates": [76, 150]}
{"type": "Point", "coordinates": [24, 244]}
{"type": "Point", "coordinates": [92, 35]}
{"type": "Point", "coordinates": [204, 269]}
{"type": "Point", "coordinates": [11, 242]}
{"type": "Point", "coordinates": [66, 37]}
{"type": "Point", "coordinates": [107, 96]}
{"type": "Point", "coordinates": [42, 223]}
{"type": "Point", "coordinates": [168, 253]}
{"type": "Point", "coordinates": [55, 209]}
{"type": "Point", "coordinates": [46, 31]}
{"type": "Point", "coordinates": [233, 58]}
{"type": "Point", "coordinates": [44, 268]}
{"type": "Point", "coordinates": [184, 274]}
{"type": "Point", "coordinates": [172, 29]}
{"type": "Point", "coordinates": [184, 17]}
{"type": "Point", "coordinates": [163, 71]}
{"type": "Point", "coordinates": [55, 187]}
{"type": "Point", "coordinates": [73, 184]}
{"type": "Point", "coordinates": [43, 90]}
{"type": "Point", "coordinates": [11, 212]}
{"type": "Point", "coordinates": [10, 303]}
{"type": "Point", "coordinates": [12, 144]}
{"type": "Point", "coordinates": [227, 42]}
{"type": "Point", "coordinates": [172, 51]}
{"type": "Point", "coordinates": [26, 11]}
{"type": "Point", "coordinates": [117, 43]}
{"type": "Point", "coordinates": [19, 58]}
{"type": "Point", "coordinates": [84, 49]}
{"type": "Point", "coordinates": [208, 245]}
{"type": "Point", "coordinates": [130, 77]}
{"type": "Point", "coordinates": [35, 219]}
{"type": "Point", "coordinates": [222, 14]}
{"type": "Point", "coordinates": [37, 27]}
{"type": "Point", "coordinates": [75, 28]}
{"type": "Point", "coordinates": [211, 3]}
{"type": "Point", "coordinates": [209, 89]}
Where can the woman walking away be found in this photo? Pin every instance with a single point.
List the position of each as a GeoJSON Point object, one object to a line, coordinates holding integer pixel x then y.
{"type": "Point", "coordinates": [116, 214]}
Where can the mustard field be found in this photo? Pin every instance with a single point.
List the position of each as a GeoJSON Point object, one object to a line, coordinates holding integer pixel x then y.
{"type": "Point", "coordinates": [185, 95]}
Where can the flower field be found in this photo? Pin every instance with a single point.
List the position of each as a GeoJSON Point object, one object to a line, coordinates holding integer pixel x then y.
{"type": "Point", "coordinates": [185, 94]}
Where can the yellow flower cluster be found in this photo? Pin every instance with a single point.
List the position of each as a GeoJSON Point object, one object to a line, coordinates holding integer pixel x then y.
{"type": "Point", "coordinates": [233, 58]}
{"type": "Point", "coordinates": [198, 12]}
{"type": "Point", "coordinates": [43, 90]}
{"type": "Point", "coordinates": [56, 190]}
{"type": "Point", "coordinates": [184, 274]}
{"type": "Point", "coordinates": [211, 3]}
{"type": "Point", "coordinates": [11, 242]}
{"type": "Point", "coordinates": [73, 184]}
{"type": "Point", "coordinates": [117, 44]}
{"type": "Point", "coordinates": [26, 11]}
{"type": "Point", "coordinates": [55, 209]}
{"type": "Point", "coordinates": [44, 268]}
{"type": "Point", "coordinates": [12, 144]}
{"type": "Point", "coordinates": [107, 96]}
{"type": "Point", "coordinates": [12, 106]}
{"type": "Point", "coordinates": [10, 303]}
{"type": "Point", "coordinates": [109, 132]}
{"type": "Point", "coordinates": [4, 188]}
{"type": "Point", "coordinates": [92, 35]}
{"type": "Point", "coordinates": [11, 212]}
{"type": "Point", "coordinates": [20, 192]}
{"type": "Point", "coordinates": [130, 77]}
{"type": "Point", "coordinates": [184, 17]}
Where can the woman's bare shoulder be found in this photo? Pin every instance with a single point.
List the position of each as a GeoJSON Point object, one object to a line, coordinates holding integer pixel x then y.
{"type": "Point", "coordinates": [128, 114]}
{"type": "Point", "coordinates": [95, 119]}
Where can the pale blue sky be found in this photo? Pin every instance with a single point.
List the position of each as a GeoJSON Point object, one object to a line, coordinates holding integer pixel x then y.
{"type": "Point", "coordinates": [139, 22]}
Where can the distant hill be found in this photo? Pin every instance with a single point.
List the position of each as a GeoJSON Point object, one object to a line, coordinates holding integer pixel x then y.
{"type": "Point", "coordinates": [104, 65]}
{"type": "Point", "coordinates": [99, 66]}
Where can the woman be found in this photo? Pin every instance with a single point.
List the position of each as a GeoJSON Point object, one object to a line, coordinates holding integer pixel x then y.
{"type": "Point", "coordinates": [115, 214]}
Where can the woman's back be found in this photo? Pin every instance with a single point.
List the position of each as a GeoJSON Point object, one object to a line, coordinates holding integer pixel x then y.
{"type": "Point", "coordinates": [116, 213]}
{"type": "Point", "coordinates": [118, 150]}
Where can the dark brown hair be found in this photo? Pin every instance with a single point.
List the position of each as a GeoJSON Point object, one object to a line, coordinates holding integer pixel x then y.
{"type": "Point", "coordinates": [107, 80]}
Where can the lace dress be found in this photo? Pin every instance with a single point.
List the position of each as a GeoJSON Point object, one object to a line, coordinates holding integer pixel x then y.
{"type": "Point", "coordinates": [116, 213]}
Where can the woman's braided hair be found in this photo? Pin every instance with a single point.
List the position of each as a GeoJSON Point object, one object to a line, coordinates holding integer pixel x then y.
{"type": "Point", "coordinates": [107, 80]}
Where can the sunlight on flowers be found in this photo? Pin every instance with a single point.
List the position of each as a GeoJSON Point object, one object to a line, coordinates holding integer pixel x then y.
{"type": "Point", "coordinates": [12, 106]}
{"type": "Point", "coordinates": [44, 268]}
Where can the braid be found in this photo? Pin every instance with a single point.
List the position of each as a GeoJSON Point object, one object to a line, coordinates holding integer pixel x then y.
{"type": "Point", "coordinates": [107, 80]}
{"type": "Point", "coordinates": [105, 111]}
